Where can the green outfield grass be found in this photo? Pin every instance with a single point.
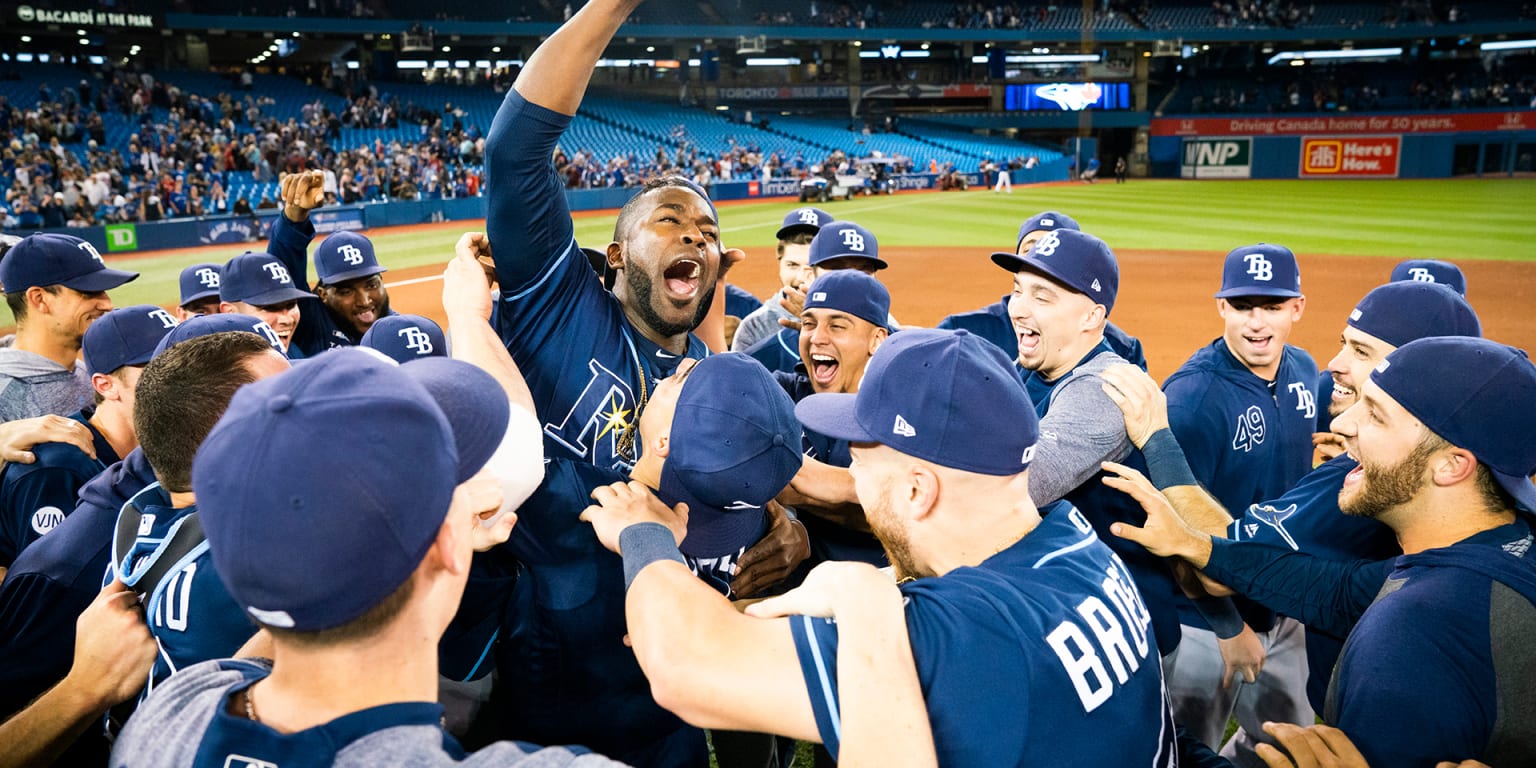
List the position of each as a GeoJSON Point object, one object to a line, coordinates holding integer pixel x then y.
{"type": "Point", "coordinates": [1445, 219]}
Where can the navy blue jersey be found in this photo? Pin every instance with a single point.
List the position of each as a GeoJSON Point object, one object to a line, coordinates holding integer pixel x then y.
{"type": "Point", "coordinates": [740, 303]}
{"type": "Point", "coordinates": [48, 587]}
{"type": "Point", "coordinates": [993, 324]}
{"type": "Point", "coordinates": [1247, 440]}
{"type": "Point", "coordinates": [190, 613]}
{"type": "Point", "coordinates": [1325, 394]}
{"type": "Point", "coordinates": [829, 541]}
{"type": "Point", "coordinates": [1040, 655]}
{"type": "Point", "coordinates": [34, 498]}
{"type": "Point", "coordinates": [1307, 519]}
{"type": "Point", "coordinates": [779, 353]}
{"type": "Point", "coordinates": [319, 329]}
{"type": "Point", "coordinates": [564, 645]}
{"type": "Point", "coordinates": [589, 370]}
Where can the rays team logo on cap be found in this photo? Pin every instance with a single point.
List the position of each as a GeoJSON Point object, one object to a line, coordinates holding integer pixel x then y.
{"type": "Point", "coordinates": [351, 254]}
{"type": "Point", "coordinates": [208, 277]}
{"type": "Point", "coordinates": [808, 216]}
{"type": "Point", "coordinates": [265, 331]}
{"type": "Point", "coordinates": [852, 239]}
{"type": "Point", "coordinates": [416, 340]}
{"type": "Point", "coordinates": [277, 271]}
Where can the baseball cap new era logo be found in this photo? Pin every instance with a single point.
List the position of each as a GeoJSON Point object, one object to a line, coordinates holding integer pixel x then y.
{"type": "Point", "coordinates": [903, 428]}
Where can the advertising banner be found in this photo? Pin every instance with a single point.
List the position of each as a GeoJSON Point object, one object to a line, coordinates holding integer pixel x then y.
{"type": "Point", "coordinates": [1226, 158]}
{"type": "Point", "coordinates": [1350, 156]}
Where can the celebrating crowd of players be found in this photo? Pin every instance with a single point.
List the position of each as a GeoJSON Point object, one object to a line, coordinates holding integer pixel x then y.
{"type": "Point", "coordinates": [998, 542]}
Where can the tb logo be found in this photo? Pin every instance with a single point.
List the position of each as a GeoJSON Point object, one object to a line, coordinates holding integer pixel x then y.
{"type": "Point", "coordinates": [208, 277]}
{"type": "Point", "coordinates": [278, 272]}
{"type": "Point", "coordinates": [1250, 430]}
{"type": "Point", "coordinates": [91, 249]}
{"type": "Point", "coordinates": [166, 319]}
{"type": "Point", "coordinates": [1420, 275]}
{"type": "Point", "coordinates": [417, 340]}
{"type": "Point", "coordinates": [852, 239]}
{"type": "Point", "coordinates": [1305, 402]}
{"type": "Point", "coordinates": [265, 331]}
{"type": "Point", "coordinates": [351, 254]}
{"type": "Point", "coordinates": [1260, 267]}
{"type": "Point", "coordinates": [1047, 245]}
{"type": "Point", "coordinates": [808, 216]}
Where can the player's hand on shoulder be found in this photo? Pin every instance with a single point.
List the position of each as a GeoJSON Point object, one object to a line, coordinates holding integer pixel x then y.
{"type": "Point", "coordinates": [1141, 401]}
{"type": "Point", "coordinates": [781, 550]}
{"type": "Point", "coordinates": [113, 648]}
{"type": "Point", "coordinates": [1165, 533]}
{"type": "Point", "coordinates": [1316, 746]}
{"type": "Point", "coordinates": [466, 293]}
{"type": "Point", "coordinates": [621, 505]}
{"type": "Point", "coordinates": [18, 438]}
{"type": "Point", "coordinates": [827, 588]}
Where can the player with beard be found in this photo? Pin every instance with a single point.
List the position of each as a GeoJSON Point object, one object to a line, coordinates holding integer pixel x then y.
{"type": "Point", "coordinates": [1306, 518]}
{"type": "Point", "coordinates": [1435, 661]}
{"type": "Point", "coordinates": [592, 357]}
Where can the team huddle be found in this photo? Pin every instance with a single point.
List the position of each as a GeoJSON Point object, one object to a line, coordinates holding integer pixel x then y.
{"type": "Point", "coordinates": [626, 510]}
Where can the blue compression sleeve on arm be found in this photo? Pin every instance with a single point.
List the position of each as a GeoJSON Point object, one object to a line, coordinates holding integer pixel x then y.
{"type": "Point", "coordinates": [646, 543]}
{"type": "Point", "coordinates": [1166, 465]}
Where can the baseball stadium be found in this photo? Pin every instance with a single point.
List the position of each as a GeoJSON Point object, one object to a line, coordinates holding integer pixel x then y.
{"type": "Point", "coordinates": [567, 383]}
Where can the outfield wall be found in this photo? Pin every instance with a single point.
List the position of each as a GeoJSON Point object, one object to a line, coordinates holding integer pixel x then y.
{"type": "Point", "coordinates": [1405, 145]}
{"type": "Point", "coordinates": [186, 233]}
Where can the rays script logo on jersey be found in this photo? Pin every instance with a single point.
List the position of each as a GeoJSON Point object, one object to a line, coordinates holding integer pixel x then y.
{"type": "Point", "coordinates": [1250, 430]}
{"type": "Point", "coordinates": [594, 427]}
{"type": "Point", "coordinates": [1305, 402]}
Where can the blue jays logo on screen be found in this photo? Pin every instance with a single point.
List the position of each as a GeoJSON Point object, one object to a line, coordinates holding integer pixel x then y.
{"type": "Point", "coordinates": [603, 416]}
{"type": "Point", "coordinates": [1072, 96]}
{"type": "Point", "coordinates": [1250, 430]}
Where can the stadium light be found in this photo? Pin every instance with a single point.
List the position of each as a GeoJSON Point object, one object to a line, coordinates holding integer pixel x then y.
{"type": "Point", "coordinates": [26, 38]}
{"type": "Point", "coordinates": [352, 65]}
{"type": "Point", "coordinates": [1502, 45]}
{"type": "Point", "coordinates": [771, 62]}
{"type": "Point", "coordinates": [1347, 53]}
{"type": "Point", "coordinates": [1054, 58]}
{"type": "Point", "coordinates": [410, 65]}
{"type": "Point", "coordinates": [495, 49]}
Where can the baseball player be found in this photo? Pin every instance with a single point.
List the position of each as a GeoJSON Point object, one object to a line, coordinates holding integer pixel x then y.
{"type": "Point", "coordinates": [1425, 673]}
{"type": "Point", "coordinates": [592, 358]}
{"type": "Point", "coordinates": [36, 497]}
{"type": "Point", "coordinates": [999, 600]}
{"type": "Point", "coordinates": [992, 322]}
{"type": "Point", "coordinates": [260, 286]}
{"type": "Point", "coordinates": [793, 252]}
{"type": "Point", "coordinates": [199, 291]}
{"type": "Point", "coordinates": [404, 338]}
{"type": "Point", "coordinates": [158, 549]}
{"type": "Point", "coordinates": [1307, 517]}
{"type": "Point", "coordinates": [1243, 408]}
{"type": "Point", "coordinates": [55, 286]}
{"type": "Point", "coordinates": [836, 246]}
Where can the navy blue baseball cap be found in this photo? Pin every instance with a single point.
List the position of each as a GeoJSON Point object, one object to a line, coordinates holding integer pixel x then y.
{"type": "Point", "coordinates": [735, 444]}
{"type": "Point", "coordinates": [807, 220]}
{"type": "Point", "coordinates": [1431, 271]}
{"type": "Point", "coordinates": [479, 423]}
{"type": "Point", "coordinates": [1260, 270]}
{"type": "Point", "coordinates": [1048, 221]}
{"type": "Point", "coordinates": [853, 292]}
{"type": "Point", "coordinates": [1476, 394]}
{"type": "Point", "coordinates": [47, 259]}
{"type": "Point", "coordinates": [845, 239]}
{"type": "Point", "coordinates": [200, 281]}
{"type": "Point", "coordinates": [125, 336]}
{"type": "Point", "coordinates": [1398, 313]}
{"type": "Point", "coordinates": [404, 338]}
{"type": "Point", "coordinates": [258, 279]}
{"type": "Point", "coordinates": [226, 322]}
{"type": "Point", "coordinates": [948, 397]}
{"type": "Point", "coordinates": [1073, 258]}
{"type": "Point", "coordinates": [320, 549]}
{"type": "Point", "coordinates": [344, 256]}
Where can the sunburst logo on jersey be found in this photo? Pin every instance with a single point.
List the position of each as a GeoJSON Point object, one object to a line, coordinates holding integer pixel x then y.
{"type": "Point", "coordinates": [615, 419]}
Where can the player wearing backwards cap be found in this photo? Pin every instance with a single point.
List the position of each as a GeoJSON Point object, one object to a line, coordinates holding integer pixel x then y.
{"type": "Point", "coordinates": [998, 600]}
{"type": "Point", "coordinates": [157, 549]}
{"type": "Point", "coordinates": [992, 322]}
{"type": "Point", "coordinates": [1064, 288]}
{"type": "Point", "coordinates": [1307, 517]}
{"type": "Point", "coordinates": [1436, 661]}
{"type": "Point", "coordinates": [592, 358]}
{"type": "Point", "coordinates": [55, 286]}
{"type": "Point", "coordinates": [199, 291]}
{"type": "Point", "coordinates": [404, 338]}
{"type": "Point", "coordinates": [59, 575]}
{"type": "Point", "coordinates": [794, 252]}
{"type": "Point", "coordinates": [1243, 409]}
{"type": "Point", "coordinates": [36, 497]}
{"type": "Point", "coordinates": [349, 294]}
{"type": "Point", "coordinates": [837, 246]}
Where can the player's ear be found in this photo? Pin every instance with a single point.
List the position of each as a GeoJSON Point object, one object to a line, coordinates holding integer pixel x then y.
{"type": "Point", "coordinates": [663, 446]}
{"type": "Point", "coordinates": [876, 339]}
{"type": "Point", "coordinates": [105, 386]}
{"type": "Point", "coordinates": [922, 492]}
{"type": "Point", "coordinates": [615, 254]}
{"type": "Point", "coordinates": [226, 308]}
{"type": "Point", "coordinates": [1453, 465]}
{"type": "Point", "coordinates": [1299, 308]}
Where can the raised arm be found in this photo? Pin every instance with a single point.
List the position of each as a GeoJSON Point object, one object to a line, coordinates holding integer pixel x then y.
{"type": "Point", "coordinates": [292, 230]}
